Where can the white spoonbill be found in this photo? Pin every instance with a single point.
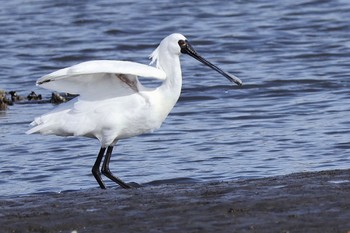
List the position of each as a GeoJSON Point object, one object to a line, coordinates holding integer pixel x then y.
{"type": "Point", "coordinates": [112, 103]}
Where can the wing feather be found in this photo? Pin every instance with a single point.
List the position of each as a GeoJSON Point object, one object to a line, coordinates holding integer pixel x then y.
{"type": "Point", "coordinates": [86, 77]}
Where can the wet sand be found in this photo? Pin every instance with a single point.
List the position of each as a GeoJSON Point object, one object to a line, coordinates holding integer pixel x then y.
{"type": "Point", "coordinates": [303, 202]}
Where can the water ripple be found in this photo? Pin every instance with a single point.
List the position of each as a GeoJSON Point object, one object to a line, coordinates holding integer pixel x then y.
{"type": "Point", "coordinates": [291, 115]}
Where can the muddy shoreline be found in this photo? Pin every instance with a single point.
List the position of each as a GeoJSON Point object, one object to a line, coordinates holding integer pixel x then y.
{"type": "Point", "coordinates": [301, 202]}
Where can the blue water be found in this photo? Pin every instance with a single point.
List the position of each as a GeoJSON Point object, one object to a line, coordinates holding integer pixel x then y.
{"type": "Point", "coordinates": [292, 114]}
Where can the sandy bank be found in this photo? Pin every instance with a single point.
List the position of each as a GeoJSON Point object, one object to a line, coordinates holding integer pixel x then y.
{"type": "Point", "coordinates": [303, 202]}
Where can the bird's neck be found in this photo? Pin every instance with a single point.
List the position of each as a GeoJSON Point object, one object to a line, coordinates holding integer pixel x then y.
{"type": "Point", "coordinates": [166, 95]}
{"type": "Point", "coordinates": [171, 87]}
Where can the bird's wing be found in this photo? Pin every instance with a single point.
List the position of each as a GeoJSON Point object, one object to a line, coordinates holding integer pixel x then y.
{"type": "Point", "coordinates": [99, 76]}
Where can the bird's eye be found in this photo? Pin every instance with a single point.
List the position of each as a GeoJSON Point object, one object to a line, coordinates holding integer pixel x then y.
{"type": "Point", "coordinates": [182, 43]}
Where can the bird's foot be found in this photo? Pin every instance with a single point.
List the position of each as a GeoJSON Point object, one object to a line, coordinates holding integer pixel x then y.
{"type": "Point", "coordinates": [134, 185]}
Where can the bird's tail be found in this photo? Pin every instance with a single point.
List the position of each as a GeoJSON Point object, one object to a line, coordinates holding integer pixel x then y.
{"type": "Point", "coordinates": [37, 125]}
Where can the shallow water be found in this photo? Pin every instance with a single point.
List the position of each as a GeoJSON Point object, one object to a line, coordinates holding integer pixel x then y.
{"type": "Point", "coordinates": [291, 115]}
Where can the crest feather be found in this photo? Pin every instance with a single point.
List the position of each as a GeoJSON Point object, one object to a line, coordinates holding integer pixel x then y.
{"type": "Point", "coordinates": [155, 57]}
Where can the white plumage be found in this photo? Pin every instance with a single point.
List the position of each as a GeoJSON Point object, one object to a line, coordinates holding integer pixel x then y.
{"type": "Point", "coordinates": [112, 103]}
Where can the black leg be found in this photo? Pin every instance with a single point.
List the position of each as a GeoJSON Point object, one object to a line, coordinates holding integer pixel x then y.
{"type": "Point", "coordinates": [96, 168]}
{"type": "Point", "coordinates": [105, 169]}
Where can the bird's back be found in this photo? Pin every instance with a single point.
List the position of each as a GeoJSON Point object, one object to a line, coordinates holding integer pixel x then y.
{"type": "Point", "coordinates": [119, 107]}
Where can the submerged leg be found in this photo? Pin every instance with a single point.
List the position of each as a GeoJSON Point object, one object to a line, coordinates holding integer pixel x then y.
{"type": "Point", "coordinates": [105, 169]}
{"type": "Point", "coordinates": [96, 168]}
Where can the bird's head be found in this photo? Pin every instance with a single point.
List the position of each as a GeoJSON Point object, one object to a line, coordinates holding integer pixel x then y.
{"type": "Point", "coordinates": [177, 44]}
